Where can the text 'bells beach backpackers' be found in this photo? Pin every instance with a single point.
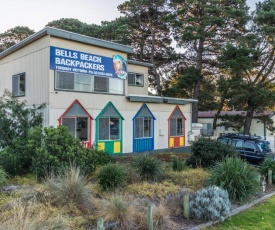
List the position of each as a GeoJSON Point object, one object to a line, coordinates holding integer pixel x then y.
{"type": "Point", "coordinates": [86, 63]}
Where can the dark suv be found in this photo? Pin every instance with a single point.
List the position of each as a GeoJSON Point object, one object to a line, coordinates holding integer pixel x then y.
{"type": "Point", "coordinates": [252, 148]}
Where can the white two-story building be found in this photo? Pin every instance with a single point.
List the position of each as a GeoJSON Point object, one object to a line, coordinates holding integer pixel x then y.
{"type": "Point", "coordinates": [89, 86]}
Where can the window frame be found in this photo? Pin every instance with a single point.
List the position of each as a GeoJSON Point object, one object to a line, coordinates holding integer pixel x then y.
{"type": "Point", "coordinates": [18, 78]}
{"type": "Point", "coordinates": [176, 127]}
{"type": "Point", "coordinates": [77, 127]}
{"type": "Point", "coordinates": [92, 77]}
{"type": "Point", "coordinates": [109, 128]}
{"type": "Point", "coordinates": [135, 80]}
{"type": "Point", "coordinates": [143, 127]}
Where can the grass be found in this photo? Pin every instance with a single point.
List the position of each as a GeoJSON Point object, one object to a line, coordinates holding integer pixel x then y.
{"type": "Point", "coordinates": [259, 217]}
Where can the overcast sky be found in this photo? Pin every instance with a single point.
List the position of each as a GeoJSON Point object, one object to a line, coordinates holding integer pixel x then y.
{"type": "Point", "coordinates": [35, 14]}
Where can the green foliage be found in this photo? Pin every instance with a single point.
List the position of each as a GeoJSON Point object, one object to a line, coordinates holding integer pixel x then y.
{"type": "Point", "coordinates": [235, 176]}
{"type": "Point", "coordinates": [211, 203]}
{"type": "Point", "coordinates": [232, 121]}
{"type": "Point", "coordinates": [206, 152]}
{"type": "Point", "coordinates": [16, 119]}
{"type": "Point", "coordinates": [178, 164]}
{"type": "Point", "coordinates": [117, 30]}
{"type": "Point", "coordinates": [58, 148]}
{"type": "Point", "coordinates": [148, 167]}
{"type": "Point", "coordinates": [268, 164]}
{"type": "Point", "coordinates": [112, 176]}
{"type": "Point", "coordinates": [3, 177]}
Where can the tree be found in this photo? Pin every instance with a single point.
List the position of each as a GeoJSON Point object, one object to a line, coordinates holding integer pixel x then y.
{"type": "Point", "coordinates": [16, 118]}
{"type": "Point", "coordinates": [251, 64]}
{"type": "Point", "coordinates": [74, 25]}
{"type": "Point", "coordinates": [14, 36]}
{"type": "Point", "coordinates": [181, 85]}
{"type": "Point", "coordinates": [202, 28]}
{"type": "Point", "coordinates": [117, 30]}
{"type": "Point", "coordinates": [151, 34]}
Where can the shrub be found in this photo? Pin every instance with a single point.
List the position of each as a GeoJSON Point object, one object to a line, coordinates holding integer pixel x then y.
{"type": "Point", "coordinates": [15, 121]}
{"type": "Point", "coordinates": [153, 190]}
{"type": "Point", "coordinates": [268, 164]}
{"type": "Point", "coordinates": [206, 152]}
{"type": "Point", "coordinates": [235, 176]}
{"type": "Point", "coordinates": [69, 186]}
{"type": "Point", "coordinates": [112, 176]}
{"type": "Point", "coordinates": [117, 209]}
{"type": "Point", "coordinates": [210, 203]}
{"type": "Point", "coordinates": [3, 177]}
{"type": "Point", "coordinates": [148, 167]}
{"type": "Point", "coordinates": [193, 179]}
{"type": "Point", "coordinates": [59, 148]}
{"type": "Point", "coordinates": [178, 164]}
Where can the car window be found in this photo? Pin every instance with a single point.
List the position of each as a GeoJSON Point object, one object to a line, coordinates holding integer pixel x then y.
{"type": "Point", "coordinates": [239, 144]}
{"type": "Point", "coordinates": [249, 146]}
{"type": "Point", "coordinates": [223, 140]}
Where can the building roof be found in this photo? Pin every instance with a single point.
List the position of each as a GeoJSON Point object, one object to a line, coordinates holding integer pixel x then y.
{"type": "Point", "coordinates": [211, 114]}
{"type": "Point", "coordinates": [69, 36]}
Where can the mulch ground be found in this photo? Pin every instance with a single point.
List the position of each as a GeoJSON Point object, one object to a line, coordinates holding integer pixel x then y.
{"type": "Point", "coordinates": [181, 222]}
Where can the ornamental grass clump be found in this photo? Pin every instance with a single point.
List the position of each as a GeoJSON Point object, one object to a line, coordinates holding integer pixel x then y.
{"type": "Point", "coordinates": [69, 186]}
{"type": "Point", "coordinates": [148, 167]}
{"type": "Point", "coordinates": [211, 203]}
{"type": "Point", "coordinates": [116, 209]}
{"type": "Point", "coordinates": [237, 177]}
{"type": "Point", "coordinates": [3, 177]}
{"type": "Point", "coordinates": [112, 176]}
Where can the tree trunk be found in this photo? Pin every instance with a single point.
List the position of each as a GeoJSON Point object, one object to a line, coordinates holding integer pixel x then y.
{"type": "Point", "coordinates": [152, 60]}
{"type": "Point", "coordinates": [218, 112]}
{"type": "Point", "coordinates": [195, 106]}
{"type": "Point", "coordinates": [248, 120]}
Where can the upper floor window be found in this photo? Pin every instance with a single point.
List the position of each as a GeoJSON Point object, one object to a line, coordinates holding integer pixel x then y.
{"type": "Point", "coordinates": [19, 85]}
{"type": "Point", "coordinates": [135, 79]}
{"type": "Point", "coordinates": [87, 83]}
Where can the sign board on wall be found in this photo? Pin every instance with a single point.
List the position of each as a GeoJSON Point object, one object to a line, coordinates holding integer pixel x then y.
{"type": "Point", "coordinates": [80, 62]}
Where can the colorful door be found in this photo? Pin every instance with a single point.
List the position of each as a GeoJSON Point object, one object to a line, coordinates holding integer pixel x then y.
{"type": "Point", "coordinates": [143, 130]}
{"type": "Point", "coordinates": [176, 127]}
{"type": "Point", "coordinates": [109, 130]}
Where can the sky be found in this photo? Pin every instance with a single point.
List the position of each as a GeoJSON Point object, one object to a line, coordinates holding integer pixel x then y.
{"type": "Point", "coordinates": [36, 14]}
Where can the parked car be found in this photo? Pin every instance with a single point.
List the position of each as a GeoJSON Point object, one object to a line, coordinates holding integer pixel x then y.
{"type": "Point", "coordinates": [254, 149]}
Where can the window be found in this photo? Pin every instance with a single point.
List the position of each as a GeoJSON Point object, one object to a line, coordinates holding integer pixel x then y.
{"type": "Point", "coordinates": [143, 127]}
{"type": "Point", "coordinates": [176, 127]}
{"type": "Point", "coordinates": [101, 84]}
{"type": "Point", "coordinates": [18, 85]}
{"type": "Point", "coordinates": [109, 128]}
{"type": "Point", "coordinates": [87, 83]}
{"type": "Point", "coordinates": [207, 129]}
{"type": "Point", "coordinates": [248, 146]}
{"type": "Point", "coordinates": [239, 144]}
{"type": "Point", "coordinates": [135, 79]}
{"type": "Point", "coordinates": [78, 127]}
